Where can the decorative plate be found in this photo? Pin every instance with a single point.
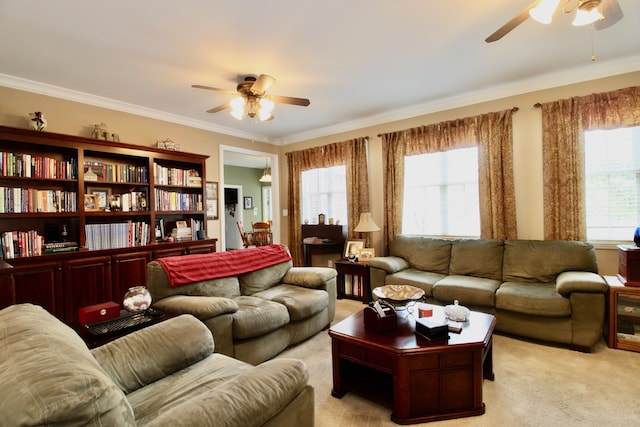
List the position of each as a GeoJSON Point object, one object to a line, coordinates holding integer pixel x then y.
{"type": "Point", "coordinates": [398, 293]}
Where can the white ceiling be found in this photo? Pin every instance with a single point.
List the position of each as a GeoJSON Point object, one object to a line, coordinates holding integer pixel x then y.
{"type": "Point", "coordinates": [360, 62]}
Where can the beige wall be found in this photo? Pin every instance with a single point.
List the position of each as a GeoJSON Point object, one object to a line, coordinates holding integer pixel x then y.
{"type": "Point", "coordinates": [527, 140]}
{"type": "Point", "coordinates": [73, 118]}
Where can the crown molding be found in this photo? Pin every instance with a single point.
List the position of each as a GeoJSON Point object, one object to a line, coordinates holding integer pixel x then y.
{"type": "Point", "coordinates": [112, 104]}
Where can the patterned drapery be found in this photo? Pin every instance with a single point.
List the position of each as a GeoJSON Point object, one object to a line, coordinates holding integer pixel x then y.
{"type": "Point", "coordinates": [492, 133]}
{"type": "Point", "coordinates": [563, 125]}
{"type": "Point", "coordinates": [353, 154]}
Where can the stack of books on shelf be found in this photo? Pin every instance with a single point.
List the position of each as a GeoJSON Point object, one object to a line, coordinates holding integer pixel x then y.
{"type": "Point", "coordinates": [117, 235]}
{"type": "Point", "coordinates": [32, 166]}
{"type": "Point", "coordinates": [23, 200]}
{"type": "Point", "coordinates": [176, 176]}
{"type": "Point", "coordinates": [182, 234]}
{"type": "Point", "coordinates": [55, 247]}
{"type": "Point", "coordinates": [21, 244]}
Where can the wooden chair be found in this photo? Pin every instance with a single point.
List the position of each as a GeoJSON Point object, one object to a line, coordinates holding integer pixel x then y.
{"type": "Point", "coordinates": [247, 238]}
{"type": "Point", "coordinates": [262, 233]}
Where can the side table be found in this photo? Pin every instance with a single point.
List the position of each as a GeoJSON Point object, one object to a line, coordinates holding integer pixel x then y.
{"type": "Point", "coordinates": [154, 316]}
{"type": "Point", "coordinates": [623, 329]}
{"type": "Point", "coordinates": [353, 280]}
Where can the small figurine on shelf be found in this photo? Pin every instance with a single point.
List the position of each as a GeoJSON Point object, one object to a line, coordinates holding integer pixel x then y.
{"type": "Point", "coordinates": [37, 121]}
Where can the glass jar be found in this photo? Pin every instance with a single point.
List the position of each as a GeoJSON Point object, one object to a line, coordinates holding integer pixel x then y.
{"type": "Point", "coordinates": [137, 299]}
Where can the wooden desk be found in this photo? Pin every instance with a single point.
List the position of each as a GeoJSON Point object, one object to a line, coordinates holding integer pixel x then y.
{"type": "Point", "coordinates": [332, 237]}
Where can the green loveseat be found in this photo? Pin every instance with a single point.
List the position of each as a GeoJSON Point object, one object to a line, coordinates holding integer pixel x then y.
{"type": "Point", "coordinates": [255, 315]}
{"type": "Point", "coordinates": [545, 290]}
{"type": "Point", "coordinates": [164, 375]}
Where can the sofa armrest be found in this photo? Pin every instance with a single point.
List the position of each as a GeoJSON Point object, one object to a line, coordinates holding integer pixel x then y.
{"type": "Point", "coordinates": [390, 264]}
{"type": "Point", "coordinates": [155, 352]}
{"type": "Point", "coordinates": [250, 399]}
{"type": "Point", "coordinates": [580, 281]}
{"type": "Point", "coordinates": [309, 277]}
{"type": "Point", "coordinates": [202, 307]}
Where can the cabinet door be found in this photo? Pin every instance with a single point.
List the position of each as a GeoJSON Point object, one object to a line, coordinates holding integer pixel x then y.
{"type": "Point", "coordinates": [165, 252]}
{"type": "Point", "coordinates": [39, 283]}
{"type": "Point", "coordinates": [129, 270]}
{"type": "Point", "coordinates": [86, 282]}
{"type": "Point", "coordinates": [202, 248]}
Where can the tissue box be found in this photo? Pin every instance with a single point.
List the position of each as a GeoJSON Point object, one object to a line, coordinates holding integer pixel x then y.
{"type": "Point", "coordinates": [431, 330]}
{"type": "Point", "coordinates": [98, 313]}
{"type": "Point", "coordinates": [380, 324]}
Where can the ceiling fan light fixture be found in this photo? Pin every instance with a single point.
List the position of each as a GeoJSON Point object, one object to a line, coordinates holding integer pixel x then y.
{"type": "Point", "coordinates": [237, 107]}
{"type": "Point", "coordinates": [543, 12]}
{"type": "Point", "coordinates": [266, 107]}
{"type": "Point", "coordinates": [588, 12]}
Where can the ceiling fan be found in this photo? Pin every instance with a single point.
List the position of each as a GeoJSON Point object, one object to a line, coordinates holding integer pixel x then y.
{"type": "Point", "coordinates": [251, 98]}
{"type": "Point", "coordinates": [601, 13]}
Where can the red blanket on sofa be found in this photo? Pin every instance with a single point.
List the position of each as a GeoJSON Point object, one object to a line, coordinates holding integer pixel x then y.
{"type": "Point", "coordinates": [182, 270]}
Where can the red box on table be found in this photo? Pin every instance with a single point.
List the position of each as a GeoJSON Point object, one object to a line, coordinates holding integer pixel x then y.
{"type": "Point", "coordinates": [98, 313]}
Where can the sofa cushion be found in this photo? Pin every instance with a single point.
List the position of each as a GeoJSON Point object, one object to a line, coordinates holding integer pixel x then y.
{"type": "Point", "coordinates": [302, 303]}
{"type": "Point", "coordinates": [309, 277]}
{"type": "Point", "coordinates": [152, 353]}
{"type": "Point", "coordinates": [418, 278]}
{"type": "Point", "coordinates": [49, 377]}
{"type": "Point", "coordinates": [263, 279]}
{"type": "Point", "coordinates": [477, 257]}
{"type": "Point", "coordinates": [542, 260]}
{"type": "Point", "coordinates": [468, 290]}
{"type": "Point", "coordinates": [257, 316]}
{"type": "Point", "coordinates": [538, 299]}
{"type": "Point", "coordinates": [423, 253]}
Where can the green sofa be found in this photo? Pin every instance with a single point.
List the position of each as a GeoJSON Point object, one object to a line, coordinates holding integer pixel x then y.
{"type": "Point", "coordinates": [255, 315]}
{"type": "Point", "coordinates": [544, 290]}
{"type": "Point", "coordinates": [163, 375]}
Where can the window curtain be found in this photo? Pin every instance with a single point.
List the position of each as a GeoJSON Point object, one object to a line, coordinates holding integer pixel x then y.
{"type": "Point", "coordinates": [352, 154]}
{"type": "Point", "coordinates": [493, 135]}
{"type": "Point", "coordinates": [563, 125]}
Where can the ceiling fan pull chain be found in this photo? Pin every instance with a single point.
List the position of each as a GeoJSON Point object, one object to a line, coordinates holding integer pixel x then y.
{"type": "Point", "coordinates": [593, 44]}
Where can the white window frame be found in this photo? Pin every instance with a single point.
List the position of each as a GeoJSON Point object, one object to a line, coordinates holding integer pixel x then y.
{"type": "Point", "coordinates": [324, 191]}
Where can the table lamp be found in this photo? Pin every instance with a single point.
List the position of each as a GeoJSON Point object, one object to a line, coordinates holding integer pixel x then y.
{"type": "Point", "coordinates": [366, 225]}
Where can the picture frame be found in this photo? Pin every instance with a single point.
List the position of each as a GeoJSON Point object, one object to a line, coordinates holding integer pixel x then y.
{"type": "Point", "coordinates": [212, 199]}
{"type": "Point", "coordinates": [351, 247]}
{"type": "Point", "coordinates": [91, 203]}
{"type": "Point", "coordinates": [248, 202]}
{"type": "Point", "coordinates": [103, 196]}
{"type": "Point", "coordinates": [181, 224]}
{"type": "Point", "coordinates": [365, 254]}
{"type": "Point", "coordinates": [94, 173]}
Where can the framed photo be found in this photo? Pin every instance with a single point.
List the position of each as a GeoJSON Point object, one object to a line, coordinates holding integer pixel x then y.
{"type": "Point", "coordinates": [212, 200]}
{"type": "Point", "coordinates": [94, 173]}
{"type": "Point", "coordinates": [248, 202]}
{"type": "Point", "coordinates": [352, 246]}
{"type": "Point", "coordinates": [91, 203]}
{"type": "Point", "coordinates": [181, 224]}
{"type": "Point", "coordinates": [103, 196]}
{"type": "Point", "coordinates": [365, 254]}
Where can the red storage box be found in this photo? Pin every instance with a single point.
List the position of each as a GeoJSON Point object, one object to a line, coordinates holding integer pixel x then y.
{"type": "Point", "coordinates": [98, 313]}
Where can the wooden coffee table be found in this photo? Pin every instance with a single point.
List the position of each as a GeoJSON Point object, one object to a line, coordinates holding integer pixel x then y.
{"type": "Point", "coordinates": [420, 381]}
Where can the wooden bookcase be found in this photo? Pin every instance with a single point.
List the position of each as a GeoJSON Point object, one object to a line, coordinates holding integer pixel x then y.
{"type": "Point", "coordinates": [107, 199]}
{"type": "Point", "coordinates": [623, 329]}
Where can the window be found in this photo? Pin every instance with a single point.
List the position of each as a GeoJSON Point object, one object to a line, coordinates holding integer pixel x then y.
{"type": "Point", "coordinates": [612, 183]}
{"type": "Point", "coordinates": [441, 193]}
{"type": "Point", "coordinates": [324, 191]}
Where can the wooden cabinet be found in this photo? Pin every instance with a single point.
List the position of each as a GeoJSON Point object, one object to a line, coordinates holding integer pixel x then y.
{"type": "Point", "coordinates": [353, 280]}
{"type": "Point", "coordinates": [629, 265]}
{"type": "Point", "coordinates": [623, 329]}
{"type": "Point", "coordinates": [80, 218]}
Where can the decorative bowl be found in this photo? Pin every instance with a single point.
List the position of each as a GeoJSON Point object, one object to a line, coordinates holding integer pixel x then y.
{"type": "Point", "coordinates": [398, 293]}
{"type": "Point", "coordinates": [137, 299]}
{"type": "Point", "coordinates": [456, 312]}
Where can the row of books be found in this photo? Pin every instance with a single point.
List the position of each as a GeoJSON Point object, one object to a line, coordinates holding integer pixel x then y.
{"type": "Point", "coordinates": [115, 172]}
{"type": "Point", "coordinates": [32, 166]}
{"type": "Point", "coordinates": [117, 235]}
{"type": "Point", "coordinates": [23, 200]}
{"type": "Point", "coordinates": [175, 176]}
{"type": "Point", "coordinates": [175, 201]}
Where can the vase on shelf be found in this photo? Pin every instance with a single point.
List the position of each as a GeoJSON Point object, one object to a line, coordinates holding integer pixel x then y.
{"type": "Point", "coordinates": [37, 121]}
{"type": "Point", "coordinates": [137, 299]}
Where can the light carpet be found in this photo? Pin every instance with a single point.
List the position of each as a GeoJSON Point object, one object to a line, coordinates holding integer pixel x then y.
{"type": "Point", "coordinates": [536, 384]}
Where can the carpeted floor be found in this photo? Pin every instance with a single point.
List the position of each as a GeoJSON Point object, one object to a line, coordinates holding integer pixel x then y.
{"type": "Point", "coordinates": [535, 385]}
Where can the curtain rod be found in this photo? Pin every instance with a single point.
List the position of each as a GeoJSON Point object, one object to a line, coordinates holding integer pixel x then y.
{"type": "Point", "coordinates": [513, 110]}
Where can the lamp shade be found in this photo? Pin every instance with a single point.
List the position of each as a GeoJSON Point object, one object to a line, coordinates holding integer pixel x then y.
{"type": "Point", "coordinates": [366, 224]}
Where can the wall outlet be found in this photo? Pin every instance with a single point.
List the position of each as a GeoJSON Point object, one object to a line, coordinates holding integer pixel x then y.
{"type": "Point", "coordinates": [285, 212]}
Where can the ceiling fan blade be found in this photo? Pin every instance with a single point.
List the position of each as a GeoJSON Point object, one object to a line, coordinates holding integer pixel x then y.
{"type": "Point", "coordinates": [511, 25]}
{"type": "Point", "coordinates": [219, 108]}
{"type": "Point", "coordinates": [303, 102]}
{"type": "Point", "coordinates": [261, 85]}
{"type": "Point", "coordinates": [213, 88]}
{"type": "Point", "coordinates": [612, 14]}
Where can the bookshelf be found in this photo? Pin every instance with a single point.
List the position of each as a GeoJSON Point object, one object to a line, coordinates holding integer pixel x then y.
{"type": "Point", "coordinates": [81, 217]}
